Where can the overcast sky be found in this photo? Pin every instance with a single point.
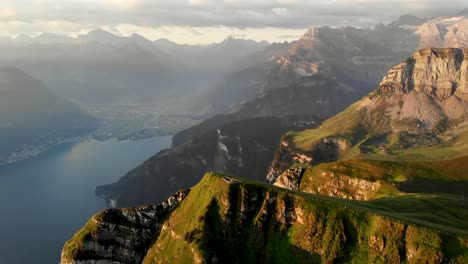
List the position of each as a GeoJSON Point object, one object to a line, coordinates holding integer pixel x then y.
{"type": "Point", "coordinates": [207, 21]}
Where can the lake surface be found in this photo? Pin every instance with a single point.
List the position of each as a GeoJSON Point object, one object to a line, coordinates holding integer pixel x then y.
{"type": "Point", "coordinates": [45, 200]}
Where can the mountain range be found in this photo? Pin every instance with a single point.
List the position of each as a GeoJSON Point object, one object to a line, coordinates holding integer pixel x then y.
{"type": "Point", "coordinates": [321, 73]}
{"type": "Point", "coordinates": [161, 87]}
{"type": "Point", "coordinates": [137, 87]}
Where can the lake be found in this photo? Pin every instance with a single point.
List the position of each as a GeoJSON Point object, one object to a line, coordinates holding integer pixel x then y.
{"type": "Point", "coordinates": [44, 201]}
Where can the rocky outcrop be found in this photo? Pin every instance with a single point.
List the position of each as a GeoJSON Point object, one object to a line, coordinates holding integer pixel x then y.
{"type": "Point", "coordinates": [424, 96]}
{"type": "Point", "coordinates": [290, 179]}
{"type": "Point", "coordinates": [119, 235]}
{"type": "Point", "coordinates": [325, 150]}
{"type": "Point", "coordinates": [286, 156]}
{"type": "Point", "coordinates": [439, 73]}
{"type": "Point", "coordinates": [329, 183]}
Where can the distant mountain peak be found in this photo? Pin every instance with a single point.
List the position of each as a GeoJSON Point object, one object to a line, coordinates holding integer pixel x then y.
{"type": "Point", "coordinates": [51, 38]}
{"type": "Point", "coordinates": [410, 20]}
{"type": "Point", "coordinates": [164, 41]}
{"type": "Point", "coordinates": [99, 35]}
{"type": "Point", "coordinates": [231, 40]}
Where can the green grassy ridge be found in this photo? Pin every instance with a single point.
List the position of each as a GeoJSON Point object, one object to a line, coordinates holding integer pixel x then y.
{"type": "Point", "coordinates": [341, 124]}
{"type": "Point", "coordinates": [453, 169]}
{"type": "Point", "coordinates": [418, 204]}
{"type": "Point", "coordinates": [410, 209]}
{"type": "Point", "coordinates": [211, 224]}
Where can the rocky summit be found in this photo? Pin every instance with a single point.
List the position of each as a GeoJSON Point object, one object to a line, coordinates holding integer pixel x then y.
{"type": "Point", "coordinates": [439, 73]}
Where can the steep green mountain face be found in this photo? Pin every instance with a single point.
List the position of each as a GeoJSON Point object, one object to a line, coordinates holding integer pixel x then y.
{"type": "Point", "coordinates": [240, 147]}
{"type": "Point", "coordinates": [230, 220]}
{"type": "Point", "coordinates": [410, 133]}
{"type": "Point", "coordinates": [32, 119]}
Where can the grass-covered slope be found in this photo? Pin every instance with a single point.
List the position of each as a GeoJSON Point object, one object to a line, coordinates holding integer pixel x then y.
{"type": "Point", "coordinates": [228, 220]}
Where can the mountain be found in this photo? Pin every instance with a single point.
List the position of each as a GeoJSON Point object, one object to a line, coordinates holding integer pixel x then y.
{"type": "Point", "coordinates": [321, 74]}
{"type": "Point", "coordinates": [216, 57]}
{"type": "Point", "coordinates": [230, 220]}
{"type": "Point", "coordinates": [241, 147]}
{"type": "Point", "coordinates": [409, 21]}
{"type": "Point", "coordinates": [241, 83]}
{"type": "Point", "coordinates": [355, 57]}
{"type": "Point", "coordinates": [49, 38]}
{"type": "Point", "coordinates": [410, 131]}
{"type": "Point", "coordinates": [139, 88]}
{"type": "Point", "coordinates": [32, 119]}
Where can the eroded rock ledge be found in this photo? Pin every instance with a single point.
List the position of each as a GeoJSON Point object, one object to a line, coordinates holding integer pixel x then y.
{"type": "Point", "coordinates": [119, 235]}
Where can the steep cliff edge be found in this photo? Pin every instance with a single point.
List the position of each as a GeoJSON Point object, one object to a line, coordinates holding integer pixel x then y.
{"type": "Point", "coordinates": [119, 235]}
{"type": "Point", "coordinates": [230, 220]}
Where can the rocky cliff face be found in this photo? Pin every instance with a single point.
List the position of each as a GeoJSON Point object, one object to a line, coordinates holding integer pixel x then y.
{"type": "Point", "coordinates": [439, 73]}
{"type": "Point", "coordinates": [119, 235]}
{"type": "Point", "coordinates": [426, 94]}
{"type": "Point", "coordinates": [227, 220]}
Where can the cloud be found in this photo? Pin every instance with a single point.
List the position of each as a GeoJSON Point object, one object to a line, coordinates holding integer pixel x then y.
{"type": "Point", "coordinates": [7, 12]}
{"type": "Point", "coordinates": [241, 14]}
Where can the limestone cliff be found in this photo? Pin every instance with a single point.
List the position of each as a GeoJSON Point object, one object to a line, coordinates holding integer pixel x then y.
{"type": "Point", "coordinates": [439, 73]}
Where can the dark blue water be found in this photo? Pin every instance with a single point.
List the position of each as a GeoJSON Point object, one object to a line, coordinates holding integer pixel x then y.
{"type": "Point", "coordinates": [45, 200]}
